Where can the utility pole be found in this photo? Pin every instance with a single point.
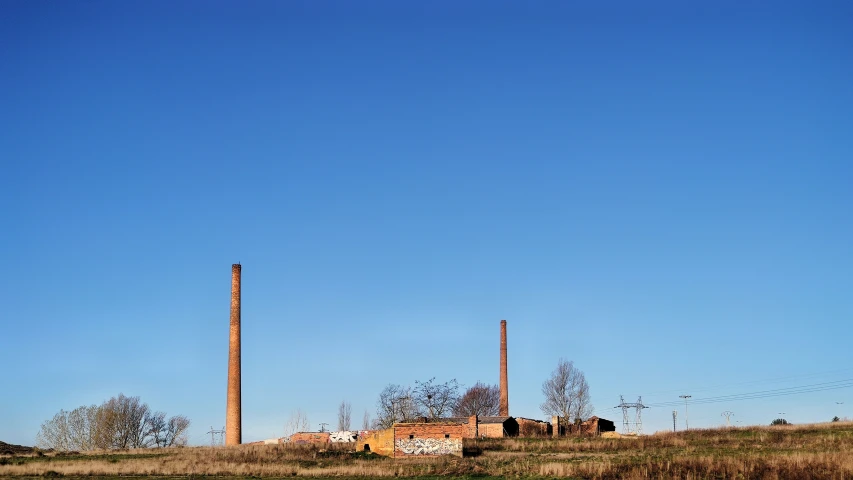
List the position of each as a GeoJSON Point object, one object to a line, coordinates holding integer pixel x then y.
{"type": "Point", "coordinates": [686, 415]}
{"type": "Point", "coordinates": [727, 414]}
{"type": "Point", "coordinates": [323, 426]}
{"type": "Point", "coordinates": [674, 414]}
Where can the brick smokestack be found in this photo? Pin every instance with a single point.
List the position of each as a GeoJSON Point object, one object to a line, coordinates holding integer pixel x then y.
{"type": "Point", "coordinates": [504, 406]}
{"type": "Point", "coordinates": [233, 413]}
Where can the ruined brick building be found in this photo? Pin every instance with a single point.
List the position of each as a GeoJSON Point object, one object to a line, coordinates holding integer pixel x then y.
{"type": "Point", "coordinates": [592, 426]}
{"type": "Point", "coordinates": [421, 439]}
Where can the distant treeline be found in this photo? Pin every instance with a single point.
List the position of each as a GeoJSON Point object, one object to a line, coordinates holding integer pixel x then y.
{"type": "Point", "coordinates": [120, 422]}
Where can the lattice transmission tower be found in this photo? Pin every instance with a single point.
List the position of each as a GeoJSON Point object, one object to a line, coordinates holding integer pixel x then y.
{"type": "Point", "coordinates": [213, 436]}
{"type": "Point", "coordinates": [638, 415]}
{"type": "Point", "coordinates": [624, 406]}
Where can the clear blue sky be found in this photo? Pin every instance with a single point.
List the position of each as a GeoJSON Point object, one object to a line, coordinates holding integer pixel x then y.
{"type": "Point", "coordinates": [660, 192]}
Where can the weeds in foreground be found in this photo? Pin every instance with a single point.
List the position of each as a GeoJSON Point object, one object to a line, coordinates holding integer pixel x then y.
{"type": "Point", "coordinates": [808, 452]}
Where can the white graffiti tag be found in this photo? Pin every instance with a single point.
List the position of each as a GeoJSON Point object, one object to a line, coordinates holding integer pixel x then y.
{"type": "Point", "coordinates": [429, 446]}
{"type": "Point", "coordinates": [343, 437]}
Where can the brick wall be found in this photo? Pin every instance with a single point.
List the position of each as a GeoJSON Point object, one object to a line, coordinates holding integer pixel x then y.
{"type": "Point", "coordinates": [492, 430]}
{"type": "Point", "coordinates": [313, 438]}
{"type": "Point", "coordinates": [430, 439]}
{"type": "Point", "coordinates": [593, 426]}
{"type": "Point", "coordinates": [377, 441]}
{"type": "Point", "coordinates": [473, 427]}
{"type": "Point", "coordinates": [533, 428]}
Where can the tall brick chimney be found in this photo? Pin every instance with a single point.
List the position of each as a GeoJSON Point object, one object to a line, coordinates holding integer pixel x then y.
{"type": "Point", "coordinates": [233, 414]}
{"type": "Point", "coordinates": [504, 406]}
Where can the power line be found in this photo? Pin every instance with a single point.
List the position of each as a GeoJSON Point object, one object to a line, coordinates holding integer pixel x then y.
{"type": "Point", "coordinates": [817, 387]}
{"type": "Point", "coordinates": [757, 382]}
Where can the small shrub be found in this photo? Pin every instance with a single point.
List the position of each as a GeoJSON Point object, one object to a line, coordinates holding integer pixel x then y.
{"type": "Point", "coordinates": [367, 456]}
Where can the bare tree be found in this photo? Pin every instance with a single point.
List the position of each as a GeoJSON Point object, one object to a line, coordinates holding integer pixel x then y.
{"type": "Point", "coordinates": [128, 417]}
{"type": "Point", "coordinates": [395, 404]}
{"type": "Point", "coordinates": [120, 422]}
{"type": "Point", "coordinates": [54, 433]}
{"type": "Point", "coordinates": [298, 422]}
{"type": "Point", "coordinates": [566, 393]}
{"type": "Point", "coordinates": [365, 424]}
{"type": "Point", "coordinates": [436, 399]}
{"type": "Point", "coordinates": [103, 429]}
{"type": "Point", "coordinates": [157, 428]}
{"type": "Point", "coordinates": [481, 399]}
{"type": "Point", "coordinates": [81, 423]}
{"type": "Point", "coordinates": [137, 414]}
{"type": "Point", "coordinates": [176, 431]}
{"type": "Point", "coordinates": [344, 415]}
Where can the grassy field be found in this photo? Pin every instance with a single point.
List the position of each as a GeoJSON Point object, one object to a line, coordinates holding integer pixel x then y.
{"type": "Point", "coordinates": [822, 451]}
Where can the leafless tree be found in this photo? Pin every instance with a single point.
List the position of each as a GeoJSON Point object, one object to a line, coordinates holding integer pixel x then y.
{"type": "Point", "coordinates": [103, 429]}
{"type": "Point", "coordinates": [81, 423]}
{"type": "Point", "coordinates": [120, 422]}
{"type": "Point", "coordinates": [365, 424]}
{"type": "Point", "coordinates": [176, 431]}
{"type": "Point", "coordinates": [436, 399]}
{"type": "Point", "coordinates": [127, 418]}
{"type": "Point", "coordinates": [344, 416]}
{"type": "Point", "coordinates": [481, 399]}
{"type": "Point", "coordinates": [166, 433]}
{"type": "Point", "coordinates": [298, 422]}
{"type": "Point", "coordinates": [136, 418]}
{"type": "Point", "coordinates": [566, 393]}
{"type": "Point", "coordinates": [54, 433]}
{"type": "Point", "coordinates": [157, 428]}
{"type": "Point", "coordinates": [395, 404]}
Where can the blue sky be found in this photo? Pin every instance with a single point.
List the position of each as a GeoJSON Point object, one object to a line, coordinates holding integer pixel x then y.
{"type": "Point", "coordinates": [659, 192]}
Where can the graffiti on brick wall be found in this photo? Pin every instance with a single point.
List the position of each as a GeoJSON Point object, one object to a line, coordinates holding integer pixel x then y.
{"type": "Point", "coordinates": [429, 446]}
{"type": "Point", "coordinates": [343, 436]}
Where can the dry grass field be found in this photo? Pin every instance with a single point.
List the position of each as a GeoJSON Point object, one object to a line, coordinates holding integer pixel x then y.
{"type": "Point", "coordinates": [822, 451]}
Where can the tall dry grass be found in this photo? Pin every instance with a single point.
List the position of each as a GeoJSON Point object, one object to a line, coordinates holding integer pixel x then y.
{"type": "Point", "coordinates": [808, 452]}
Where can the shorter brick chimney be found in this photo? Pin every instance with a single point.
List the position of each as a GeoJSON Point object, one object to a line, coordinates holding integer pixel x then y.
{"type": "Point", "coordinates": [474, 426]}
